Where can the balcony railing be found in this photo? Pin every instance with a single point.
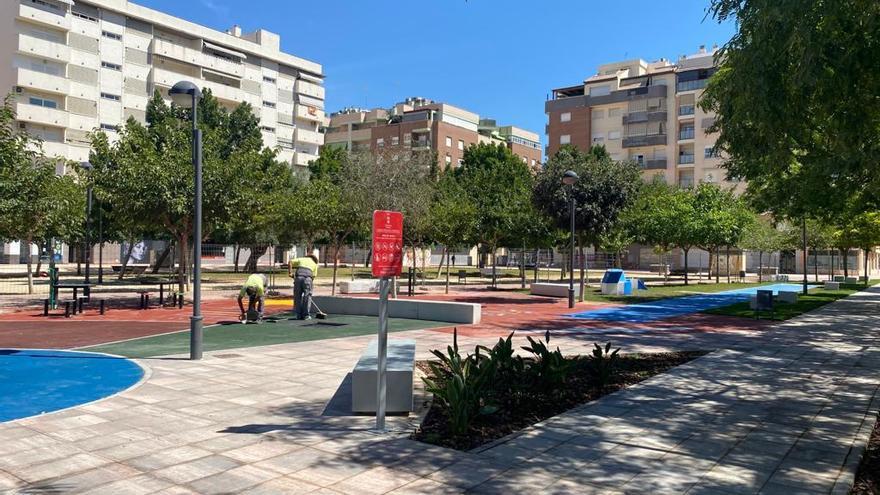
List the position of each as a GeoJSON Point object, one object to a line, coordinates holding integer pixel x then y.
{"type": "Point", "coordinates": [686, 110]}
{"type": "Point", "coordinates": [655, 164]}
{"type": "Point", "coordinates": [691, 85]}
{"type": "Point", "coordinates": [685, 159]}
{"type": "Point", "coordinates": [686, 134]}
{"type": "Point", "coordinates": [686, 183]}
{"type": "Point", "coordinates": [647, 140]}
{"type": "Point", "coordinates": [644, 116]}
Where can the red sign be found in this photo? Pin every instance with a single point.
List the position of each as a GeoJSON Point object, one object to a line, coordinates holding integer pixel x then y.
{"type": "Point", "coordinates": [387, 243]}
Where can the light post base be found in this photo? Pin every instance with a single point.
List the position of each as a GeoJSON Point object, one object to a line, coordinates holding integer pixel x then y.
{"type": "Point", "coordinates": [570, 298]}
{"type": "Point", "coordinates": [195, 337]}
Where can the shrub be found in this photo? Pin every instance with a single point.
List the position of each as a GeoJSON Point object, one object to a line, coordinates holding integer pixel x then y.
{"type": "Point", "coordinates": [509, 368]}
{"type": "Point", "coordinates": [551, 367]}
{"type": "Point", "coordinates": [602, 362]}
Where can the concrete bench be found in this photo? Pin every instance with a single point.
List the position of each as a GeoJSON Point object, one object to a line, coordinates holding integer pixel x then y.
{"type": "Point", "coordinates": [839, 278]}
{"type": "Point", "coordinates": [787, 296]}
{"type": "Point", "coordinates": [780, 278]}
{"type": "Point", "coordinates": [553, 290]}
{"type": "Point", "coordinates": [851, 280]}
{"type": "Point", "coordinates": [399, 384]}
{"type": "Point", "coordinates": [416, 309]}
{"type": "Point", "coordinates": [832, 285]}
{"type": "Point", "coordinates": [365, 286]}
{"type": "Point", "coordinates": [487, 272]}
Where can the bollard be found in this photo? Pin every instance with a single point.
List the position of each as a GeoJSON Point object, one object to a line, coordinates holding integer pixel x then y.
{"type": "Point", "coordinates": [180, 301]}
{"type": "Point", "coordinates": [101, 306]}
{"type": "Point", "coordinates": [45, 307]}
{"type": "Point", "coordinates": [67, 309]}
{"type": "Point", "coordinates": [146, 301]}
{"type": "Point", "coordinates": [412, 277]}
{"type": "Point", "coordinates": [142, 301]}
{"type": "Point", "coordinates": [79, 305]}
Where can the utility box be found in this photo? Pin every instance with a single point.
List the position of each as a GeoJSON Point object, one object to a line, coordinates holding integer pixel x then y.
{"type": "Point", "coordinates": [614, 283]}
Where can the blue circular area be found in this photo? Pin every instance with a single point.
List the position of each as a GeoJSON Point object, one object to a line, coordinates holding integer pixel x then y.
{"type": "Point", "coordinates": [36, 381]}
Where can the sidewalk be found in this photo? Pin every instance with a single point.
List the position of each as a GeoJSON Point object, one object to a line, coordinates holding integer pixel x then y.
{"type": "Point", "coordinates": [788, 415]}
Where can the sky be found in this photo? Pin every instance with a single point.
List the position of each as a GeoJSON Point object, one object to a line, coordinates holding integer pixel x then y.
{"type": "Point", "coordinates": [500, 59]}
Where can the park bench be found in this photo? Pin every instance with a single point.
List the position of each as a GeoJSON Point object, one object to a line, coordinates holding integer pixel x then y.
{"type": "Point", "coordinates": [399, 385]}
{"type": "Point", "coordinates": [135, 268]}
{"type": "Point", "coordinates": [851, 280]}
{"type": "Point", "coordinates": [832, 285]}
{"type": "Point", "coordinates": [787, 296]}
{"type": "Point", "coordinates": [363, 286]}
{"type": "Point", "coordinates": [552, 290]}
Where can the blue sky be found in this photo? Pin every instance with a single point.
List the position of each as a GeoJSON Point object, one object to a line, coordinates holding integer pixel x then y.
{"type": "Point", "coordinates": [497, 58]}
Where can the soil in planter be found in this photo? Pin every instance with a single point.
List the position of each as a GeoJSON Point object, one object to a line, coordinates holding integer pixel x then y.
{"type": "Point", "coordinates": [868, 476]}
{"type": "Point", "coordinates": [527, 407]}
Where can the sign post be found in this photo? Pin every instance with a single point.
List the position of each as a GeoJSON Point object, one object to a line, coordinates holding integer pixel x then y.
{"type": "Point", "coordinates": [387, 263]}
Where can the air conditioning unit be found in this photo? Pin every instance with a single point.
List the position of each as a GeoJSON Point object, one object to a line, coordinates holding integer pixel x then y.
{"type": "Point", "coordinates": [19, 89]}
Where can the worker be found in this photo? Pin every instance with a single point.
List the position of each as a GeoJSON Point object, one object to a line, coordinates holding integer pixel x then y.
{"type": "Point", "coordinates": [255, 290]}
{"type": "Point", "coordinates": [303, 271]}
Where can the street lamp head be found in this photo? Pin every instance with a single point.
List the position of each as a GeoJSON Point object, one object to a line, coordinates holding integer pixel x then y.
{"type": "Point", "coordinates": [183, 93]}
{"type": "Point", "coordinates": [569, 177]}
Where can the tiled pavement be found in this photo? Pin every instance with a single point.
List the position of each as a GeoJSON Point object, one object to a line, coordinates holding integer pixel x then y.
{"type": "Point", "coordinates": [783, 412]}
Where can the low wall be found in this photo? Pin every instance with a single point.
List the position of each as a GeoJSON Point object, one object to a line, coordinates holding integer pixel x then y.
{"type": "Point", "coordinates": [448, 311]}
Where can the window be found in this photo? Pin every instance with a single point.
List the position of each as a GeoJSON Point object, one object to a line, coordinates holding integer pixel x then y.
{"type": "Point", "coordinates": [45, 4]}
{"type": "Point", "coordinates": [380, 143]}
{"type": "Point", "coordinates": [565, 139]}
{"type": "Point", "coordinates": [461, 144]}
{"type": "Point", "coordinates": [395, 141]}
{"type": "Point", "coordinates": [108, 96]}
{"type": "Point", "coordinates": [42, 102]}
{"type": "Point", "coordinates": [266, 128]}
{"type": "Point", "coordinates": [612, 135]}
{"type": "Point", "coordinates": [81, 15]}
{"type": "Point", "coordinates": [268, 104]}
{"type": "Point", "coordinates": [565, 117]}
{"type": "Point", "coordinates": [407, 138]}
{"type": "Point", "coordinates": [448, 159]}
{"type": "Point", "coordinates": [46, 35]}
{"type": "Point", "coordinates": [710, 152]}
{"type": "Point", "coordinates": [615, 112]}
{"type": "Point", "coordinates": [533, 162]}
{"type": "Point", "coordinates": [112, 36]}
{"type": "Point", "coordinates": [448, 142]}
{"type": "Point", "coordinates": [460, 162]}
{"type": "Point", "coordinates": [45, 68]}
{"type": "Point", "coordinates": [109, 65]}
{"type": "Point", "coordinates": [597, 114]}
{"type": "Point", "coordinates": [109, 127]}
{"type": "Point", "coordinates": [269, 79]}
{"type": "Point", "coordinates": [600, 90]}
{"type": "Point", "coordinates": [598, 138]}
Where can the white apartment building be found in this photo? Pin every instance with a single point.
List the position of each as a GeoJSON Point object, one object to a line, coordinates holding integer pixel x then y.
{"type": "Point", "coordinates": [79, 66]}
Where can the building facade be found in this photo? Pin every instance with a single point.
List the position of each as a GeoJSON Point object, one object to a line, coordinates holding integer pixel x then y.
{"type": "Point", "coordinates": [418, 123]}
{"type": "Point", "coordinates": [646, 112]}
{"type": "Point", "coordinates": [77, 67]}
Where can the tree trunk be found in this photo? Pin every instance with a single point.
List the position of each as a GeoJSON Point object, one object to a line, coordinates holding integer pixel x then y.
{"type": "Point", "coordinates": [162, 257]}
{"type": "Point", "coordinates": [760, 262]}
{"type": "Point", "coordinates": [564, 268]}
{"type": "Point", "coordinates": [40, 247]}
{"type": "Point", "coordinates": [816, 264]}
{"type": "Point", "coordinates": [845, 254]}
{"type": "Point", "coordinates": [717, 265]}
{"type": "Point", "coordinates": [183, 243]}
{"type": "Point", "coordinates": [727, 255]}
{"type": "Point", "coordinates": [522, 267]}
{"type": "Point", "coordinates": [30, 270]}
{"type": "Point", "coordinates": [335, 269]}
{"type": "Point", "coordinates": [443, 257]}
{"type": "Point", "coordinates": [447, 272]}
{"type": "Point", "coordinates": [494, 268]}
{"type": "Point", "coordinates": [537, 257]}
{"type": "Point", "coordinates": [867, 277]}
{"type": "Point", "coordinates": [583, 270]}
{"type": "Point", "coordinates": [686, 265]}
{"type": "Point", "coordinates": [125, 259]}
{"type": "Point", "coordinates": [831, 271]}
{"type": "Point", "coordinates": [250, 265]}
{"type": "Point", "coordinates": [236, 252]}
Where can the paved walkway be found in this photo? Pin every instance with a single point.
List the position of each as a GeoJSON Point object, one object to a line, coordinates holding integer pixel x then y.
{"type": "Point", "coordinates": [783, 412]}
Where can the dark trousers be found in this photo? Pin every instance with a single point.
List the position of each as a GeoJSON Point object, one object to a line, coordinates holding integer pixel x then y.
{"type": "Point", "coordinates": [302, 296]}
{"type": "Point", "coordinates": [255, 302]}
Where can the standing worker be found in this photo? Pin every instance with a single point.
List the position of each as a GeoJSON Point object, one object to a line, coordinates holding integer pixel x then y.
{"type": "Point", "coordinates": [255, 289]}
{"type": "Point", "coordinates": [303, 270]}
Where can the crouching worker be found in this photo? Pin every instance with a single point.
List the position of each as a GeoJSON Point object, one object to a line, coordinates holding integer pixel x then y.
{"type": "Point", "coordinates": [303, 270]}
{"type": "Point", "coordinates": [255, 290]}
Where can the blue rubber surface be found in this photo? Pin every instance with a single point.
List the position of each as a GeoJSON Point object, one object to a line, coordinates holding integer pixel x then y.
{"type": "Point", "coordinates": [678, 306]}
{"type": "Point", "coordinates": [37, 381]}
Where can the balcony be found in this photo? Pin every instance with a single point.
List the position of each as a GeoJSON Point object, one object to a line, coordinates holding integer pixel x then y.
{"type": "Point", "coordinates": [306, 112]}
{"type": "Point", "coordinates": [308, 136]}
{"type": "Point", "coordinates": [684, 86]}
{"type": "Point", "coordinates": [44, 49]}
{"type": "Point", "coordinates": [655, 164]}
{"type": "Point", "coordinates": [686, 159]}
{"type": "Point", "coordinates": [41, 81]}
{"type": "Point", "coordinates": [196, 57]}
{"type": "Point", "coordinates": [685, 110]}
{"type": "Point", "coordinates": [686, 134]}
{"type": "Point", "coordinates": [56, 18]}
{"type": "Point", "coordinates": [647, 140]}
{"type": "Point", "coordinates": [310, 89]}
{"type": "Point", "coordinates": [649, 116]}
{"type": "Point", "coordinates": [54, 148]}
{"type": "Point", "coordinates": [41, 115]}
{"type": "Point", "coordinates": [303, 159]}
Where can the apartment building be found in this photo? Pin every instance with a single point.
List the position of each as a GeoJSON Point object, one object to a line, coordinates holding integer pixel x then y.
{"type": "Point", "coordinates": [91, 64]}
{"type": "Point", "coordinates": [643, 111]}
{"type": "Point", "coordinates": [422, 124]}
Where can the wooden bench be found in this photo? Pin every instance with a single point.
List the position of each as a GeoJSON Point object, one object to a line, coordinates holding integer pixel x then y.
{"type": "Point", "coordinates": [399, 385]}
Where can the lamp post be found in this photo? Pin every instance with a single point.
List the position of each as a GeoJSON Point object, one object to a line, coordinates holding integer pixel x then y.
{"type": "Point", "coordinates": [569, 179]}
{"type": "Point", "coordinates": [186, 95]}
{"type": "Point", "coordinates": [87, 166]}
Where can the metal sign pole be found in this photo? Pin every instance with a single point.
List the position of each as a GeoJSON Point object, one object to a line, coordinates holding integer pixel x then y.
{"type": "Point", "coordinates": [382, 353]}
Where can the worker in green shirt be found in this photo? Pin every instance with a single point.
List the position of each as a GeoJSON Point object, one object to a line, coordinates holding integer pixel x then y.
{"type": "Point", "coordinates": [303, 271]}
{"type": "Point", "coordinates": [255, 290]}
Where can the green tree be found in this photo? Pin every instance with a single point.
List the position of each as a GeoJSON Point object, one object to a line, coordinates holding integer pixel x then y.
{"type": "Point", "coordinates": [721, 219]}
{"type": "Point", "coordinates": [761, 235]}
{"type": "Point", "coordinates": [328, 163]}
{"type": "Point", "coordinates": [452, 216]}
{"type": "Point", "coordinates": [796, 103]}
{"type": "Point", "coordinates": [605, 188]}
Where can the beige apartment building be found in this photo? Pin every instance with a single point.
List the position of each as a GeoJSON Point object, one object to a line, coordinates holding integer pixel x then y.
{"type": "Point", "coordinates": [643, 111]}
{"type": "Point", "coordinates": [419, 123]}
{"type": "Point", "coordinates": [76, 67]}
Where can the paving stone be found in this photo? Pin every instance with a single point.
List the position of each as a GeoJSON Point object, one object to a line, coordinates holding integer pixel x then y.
{"type": "Point", "coordinates": [285, 485]}
{"type": "Point", "coordinates": [467, 473]}
{"type": "Point", "coordinates": [375, 481]}
{"type": "Point", "coordinates": [197, 469]}
{"type": "Point", "coordinates": [59, 468]}
{"type": "Point", "coordinates": [234, 480]}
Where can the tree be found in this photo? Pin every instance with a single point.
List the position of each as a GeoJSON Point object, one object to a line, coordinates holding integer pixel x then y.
{"type": "Point", "coordinates": [605, 188]}
{"type": "Point", "coordinates": [453, 216]}
{"type": "Point", "coordinates": [861, 231]}
{"type": "Point", "coordinates": [762, 236]}
{"type": "Point", "coordinates": [328, 163]}
{"type": "Point", "coordinates": [35, 202]}
{"type": "Point", "coordinates": [499, 185]}
{"type": "Point", "coordinates": [795, 100]}
{"type": "Point", "coordinates": [720, 217]}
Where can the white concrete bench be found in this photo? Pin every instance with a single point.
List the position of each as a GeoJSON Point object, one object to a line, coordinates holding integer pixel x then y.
{"type": "Point", "coordinates": [851, 280]}
{"type": "Point", "coordinates": [832, 285]}
{"type": "Point", "coordinates": [365, 286]}
{"type": "Point", "coordinates": [553, 290]}
{"type": "Point", "coordinates": [399, 384]}
{"type": "Point", "coordinates": [780, 278]}
{"type": "Point", "coordinates": [839, 278]}
{"type": "Point", "coordinates": [416, 309]}
{"type": "Point", "coordinates": [787, 296]}
{"type": "Point", "coordinates": [487, 272]}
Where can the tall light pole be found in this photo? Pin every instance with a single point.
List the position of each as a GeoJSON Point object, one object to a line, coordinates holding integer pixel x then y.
{"type": "Point", "coordinates": [186, 95]}
{"type": "Point", "coordinates": [87, 166]}
{"type": "Point", "coordinates": [569, 179]}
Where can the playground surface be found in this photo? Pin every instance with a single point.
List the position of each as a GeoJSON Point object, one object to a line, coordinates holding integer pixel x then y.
{"type": "Point", "coordinates": [36, 381]}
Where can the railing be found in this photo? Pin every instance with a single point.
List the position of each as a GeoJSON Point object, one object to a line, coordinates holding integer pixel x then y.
{"type": "Point", "coordinates": [685, 159]}
{"type": "Point", "coordinates": [686, 134]}
{"type": "Point", "coordinates": [691, 85]}
{"type": "Point", "coordinates": [656, 164]}
{"type": "Point", "coordinates": [686, 110]}
{"type": "Point", "coordinates": [647, 140]}
{"type": "Point", "coordinates": [644, 116]}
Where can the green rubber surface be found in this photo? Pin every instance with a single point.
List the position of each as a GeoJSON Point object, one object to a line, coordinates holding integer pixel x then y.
{"type": "Point", "coordinates": [276, 329]}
